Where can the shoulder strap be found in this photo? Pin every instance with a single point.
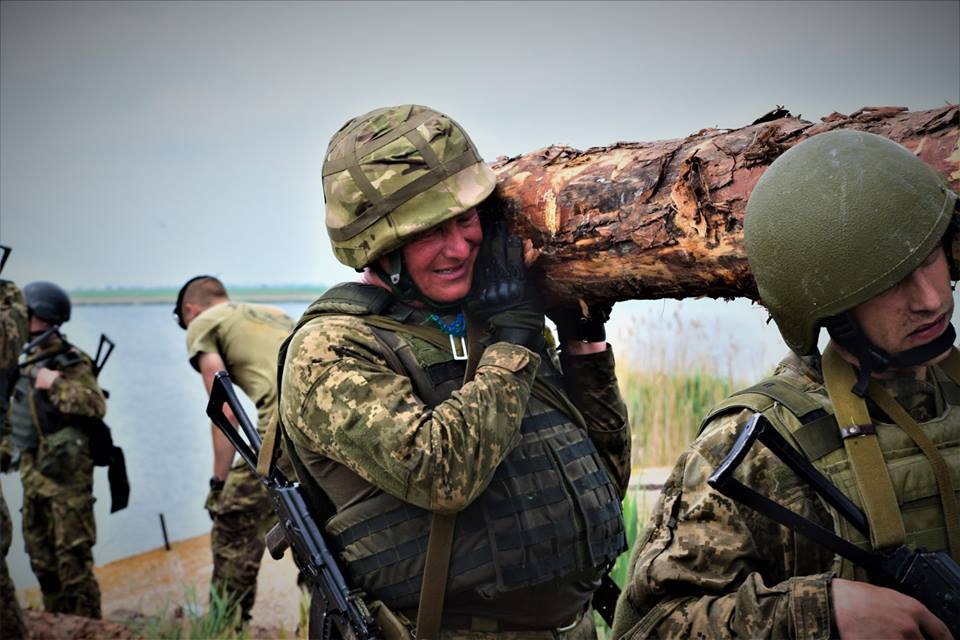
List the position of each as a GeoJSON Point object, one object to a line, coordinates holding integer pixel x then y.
{"type": "Point", "coordinates": [863, 450]}
{"type": "Point", "coordinates": [818, 434]}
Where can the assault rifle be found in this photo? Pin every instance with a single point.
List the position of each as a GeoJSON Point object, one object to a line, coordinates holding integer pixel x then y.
{"type": "Point", "coordinates": [932, 578]}
{"type": "Point", "coordinates": [341, 607]}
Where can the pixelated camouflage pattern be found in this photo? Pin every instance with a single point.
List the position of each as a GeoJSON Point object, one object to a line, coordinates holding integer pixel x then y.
{"type": "Point", "coordinates": [58, 522]}
{"type": "Point", "coordinates": [242, 514]}
{"type": "Point", "coordinates": [708, 567]}
{"type": "Point", "coordinates": [591, 384]}
{"type": "Point", "coordinates": [339, 395]}
{"type": "Point", "coordinates": [11, 620]}
{"type": "Point", "coordinates": [391, 168]}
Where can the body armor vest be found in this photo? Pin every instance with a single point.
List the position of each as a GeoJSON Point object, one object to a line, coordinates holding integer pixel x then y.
{"type": "Point", "coordinates": [817, 436]}
{"type": "Point", "coordinates": [31, 412]}
{"type": "Point", "coordinates": [550, 512]}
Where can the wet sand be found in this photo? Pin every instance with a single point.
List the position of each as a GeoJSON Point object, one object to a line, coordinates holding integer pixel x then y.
{"type": "Point", "coordinates": [159, 580]}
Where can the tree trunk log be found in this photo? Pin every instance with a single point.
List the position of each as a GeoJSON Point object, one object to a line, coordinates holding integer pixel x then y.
{"type": "Point", "coordinates": [665, 219]}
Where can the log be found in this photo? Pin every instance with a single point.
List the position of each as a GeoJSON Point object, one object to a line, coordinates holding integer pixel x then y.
{"type": "Point", "coordinates": [643, 220]}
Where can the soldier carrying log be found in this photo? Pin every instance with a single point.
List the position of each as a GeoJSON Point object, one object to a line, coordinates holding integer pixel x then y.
{"type": "Point", "coordinates": [467, 485]}
{"type": "Point", "coordinates": [850, 232]}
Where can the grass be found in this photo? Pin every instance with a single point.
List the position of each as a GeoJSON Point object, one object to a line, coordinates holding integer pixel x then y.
{"type": "Point", "coordinates": [668, 389]}
{"type": "Point", "coordinates": [220, 618]}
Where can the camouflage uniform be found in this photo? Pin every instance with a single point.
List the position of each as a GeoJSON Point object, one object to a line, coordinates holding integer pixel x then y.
{"type": "Point", "coordinates": [58, 522]}
{"type": "Point", "coordinates": [13, 331]}
{"type": "Point", "coordinates": [367, 438]}
{"type": "Point", "coordinates": [247, 337]}
{"type": "Point", "coordinates": [708, 567]}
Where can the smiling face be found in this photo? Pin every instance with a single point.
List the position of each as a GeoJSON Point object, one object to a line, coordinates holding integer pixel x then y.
{"type": "Point", "coordinates": [913, 312]}
{"type": "Point", "coordinates": [440, 261]}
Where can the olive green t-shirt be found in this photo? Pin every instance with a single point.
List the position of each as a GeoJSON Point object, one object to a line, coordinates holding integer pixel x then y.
{"type": "Point", "coordinates": [248, 338]}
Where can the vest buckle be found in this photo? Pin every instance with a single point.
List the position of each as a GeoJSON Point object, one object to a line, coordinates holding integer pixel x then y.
{"type": "Point", "coordinates": [461, 353]}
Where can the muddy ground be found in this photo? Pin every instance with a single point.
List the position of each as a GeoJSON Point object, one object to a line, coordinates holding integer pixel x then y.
{"type": "Point", "coordinates": [161, 582]}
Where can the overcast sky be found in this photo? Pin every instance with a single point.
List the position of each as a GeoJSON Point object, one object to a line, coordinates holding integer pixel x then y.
{"type": "Point", "coordinates": [142, 143]}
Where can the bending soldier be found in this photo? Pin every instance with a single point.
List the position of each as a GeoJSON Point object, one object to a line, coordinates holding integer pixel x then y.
{"type": "Point", "coordinates": [385, 432]}
{"type": "Point", "coordinates": [13, 335]}
{"type": "Point", "coordinates": [54, 397]}
{"type": "Point", "coordinates": [848, 231]}
{"type": "Point", "coordinates": [242, 339]}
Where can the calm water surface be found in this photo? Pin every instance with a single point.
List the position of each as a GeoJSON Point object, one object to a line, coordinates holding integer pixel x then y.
{"type": "Point", "coordinates": [157, 404]}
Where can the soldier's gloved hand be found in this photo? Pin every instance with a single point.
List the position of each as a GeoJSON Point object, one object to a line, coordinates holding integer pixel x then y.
{"type": "Point", "coordinates": [581, 322]}
{"type": "Point", "coordinates": [5, 461]}
{"type": "Point", "coordinates": [501, 295]}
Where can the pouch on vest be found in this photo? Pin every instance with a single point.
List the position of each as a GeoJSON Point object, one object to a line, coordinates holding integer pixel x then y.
{"type": "Point", "coordinates": [105, 454]}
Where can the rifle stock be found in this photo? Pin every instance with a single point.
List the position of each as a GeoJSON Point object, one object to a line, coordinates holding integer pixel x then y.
{"type": "Point", "coordinates": [342, 608]}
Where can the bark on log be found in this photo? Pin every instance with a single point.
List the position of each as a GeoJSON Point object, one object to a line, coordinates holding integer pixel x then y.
{"type": "Point", "coordinates": [665, 219]}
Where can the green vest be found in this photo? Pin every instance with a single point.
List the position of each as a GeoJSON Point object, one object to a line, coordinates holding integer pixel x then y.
{"type": "Point", "coordinates": [817, 436]}
{"type": "Point", "coordinates": [551, 512]}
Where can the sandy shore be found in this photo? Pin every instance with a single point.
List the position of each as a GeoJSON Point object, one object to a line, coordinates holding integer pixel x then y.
{"type": "Point", "coordinates": [159, 580]}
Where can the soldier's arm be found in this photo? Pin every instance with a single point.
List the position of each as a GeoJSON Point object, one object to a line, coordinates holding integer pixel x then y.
{"type": "Point", "coordinates": [591, 383]}
{"type": "Point", "coordinates": [209, 364]}
{"type": "Point", "coordinates": [76, 392]}
{"type": "Point", "coordinates": [339, 398]}
{"type": "Point", "coordinates": [704, 569]}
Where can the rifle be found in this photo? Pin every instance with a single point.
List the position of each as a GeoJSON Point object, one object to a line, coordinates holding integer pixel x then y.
{"type": "Point", "coordinates": [933, 578]}
{"type": "Point", "coordinates": [342, 607]}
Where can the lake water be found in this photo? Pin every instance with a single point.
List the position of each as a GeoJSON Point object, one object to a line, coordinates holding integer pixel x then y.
{"type": "Point", "coordinates": [157, 404]}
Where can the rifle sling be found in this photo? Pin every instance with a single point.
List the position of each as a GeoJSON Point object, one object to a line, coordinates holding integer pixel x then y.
{"type": "Point", "coordinates": [863, 450]}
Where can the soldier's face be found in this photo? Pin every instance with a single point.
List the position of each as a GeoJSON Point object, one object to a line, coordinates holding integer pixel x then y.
{"type": "Point", "coordinates": [441, 260]}
{"type": "Point", "coordinates": [913, 312]}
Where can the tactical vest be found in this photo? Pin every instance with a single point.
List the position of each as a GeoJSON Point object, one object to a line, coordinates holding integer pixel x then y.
{"type": "Point", "coordinates": [817, 436]}
{"type": "Point", "coordinates": [32, 413]}
{"type": "Point", "coordinates": [549, 513]}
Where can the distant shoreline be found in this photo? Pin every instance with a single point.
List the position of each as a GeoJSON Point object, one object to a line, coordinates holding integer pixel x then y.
{"type": "Point", "coordinates": [169, 296]}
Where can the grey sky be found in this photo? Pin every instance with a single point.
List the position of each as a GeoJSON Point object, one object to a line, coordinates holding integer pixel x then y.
{"type": "Point", "coordinates": [141, 143]}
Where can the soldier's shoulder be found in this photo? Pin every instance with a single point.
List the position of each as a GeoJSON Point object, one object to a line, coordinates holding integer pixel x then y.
{"type": "Point", "coordinates": [323, 336]}
{"type": "Point", "coordinates": [73, 358]}
{"type": "Point", "coordinates": [10, 293]}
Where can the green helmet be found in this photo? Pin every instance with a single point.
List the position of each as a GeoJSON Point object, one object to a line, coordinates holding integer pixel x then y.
{"type": "Point", "coordinates": [393, 173]}
{"type": "Point", "coordinates": [837, 220]}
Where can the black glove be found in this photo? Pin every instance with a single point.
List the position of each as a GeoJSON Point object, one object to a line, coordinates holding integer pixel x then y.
{"type": "Point", "coordinates": [6, 461]}
{"type": "Point", "coordinates": [501, 295]}
{"type": "Point", "coordinates": [581, 322]}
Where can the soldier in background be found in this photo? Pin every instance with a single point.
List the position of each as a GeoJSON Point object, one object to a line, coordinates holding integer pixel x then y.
{"type": "Point", "coordinates": [55, 395]}
{"type": "Point", "coordinates": [13, 335]}
{"type": "Point", "coordinates": [242, 339]}
{"type": "Point", "coordinates": [851, 232]}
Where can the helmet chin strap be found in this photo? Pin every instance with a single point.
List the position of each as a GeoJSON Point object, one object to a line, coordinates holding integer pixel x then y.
{"type": "Point", "coordinates": [403, 286]}
{"type": "Point", "coordinates": [847, 333]}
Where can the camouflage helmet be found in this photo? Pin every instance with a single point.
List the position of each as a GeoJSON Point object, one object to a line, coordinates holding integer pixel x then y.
{"type": "Point", "coordinates": [835, 221]}
{"type": "Point", "coordinates": [393, 173]}
{"type": "Point", "coordinates": [47, 301]}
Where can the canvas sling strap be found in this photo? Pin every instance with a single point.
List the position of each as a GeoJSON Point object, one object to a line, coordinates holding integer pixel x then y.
{"type": "Point", "coordinates": [863, 450]}
{"type": "Point", "coordinates": [948, 496]}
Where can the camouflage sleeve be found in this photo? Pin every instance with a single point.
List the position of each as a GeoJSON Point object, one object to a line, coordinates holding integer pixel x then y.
{"type": "Point", "coordinates": [76, 392]}
{"type": "Point", "coordinates": [591, 384]}
{"type": "Point", "coordinates": [339, 398]}
{"type": "Point", "coordinates": [710, 568]}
